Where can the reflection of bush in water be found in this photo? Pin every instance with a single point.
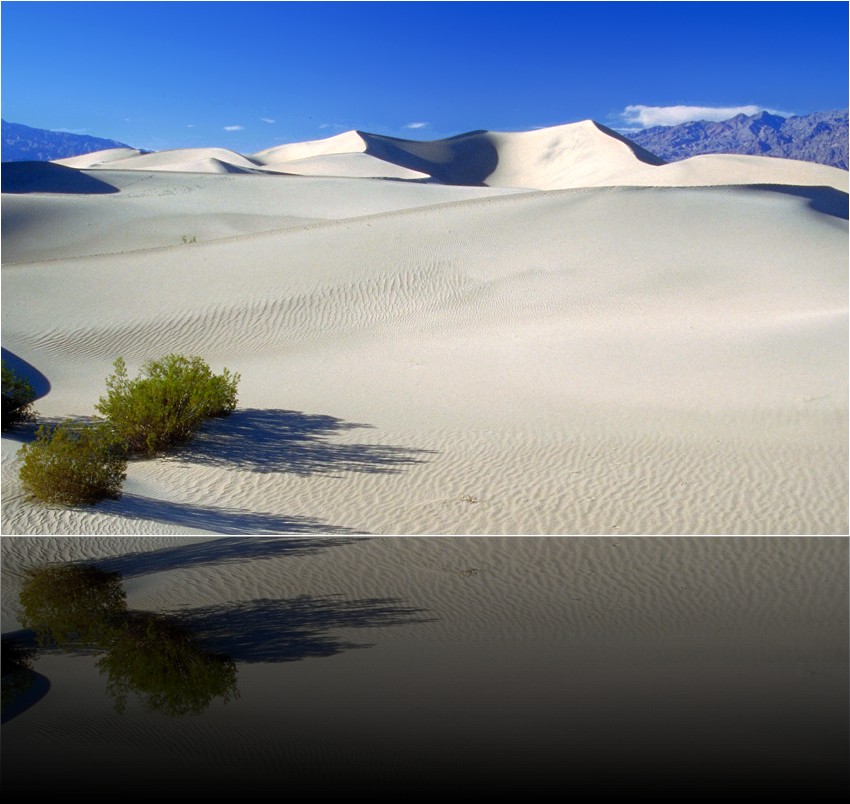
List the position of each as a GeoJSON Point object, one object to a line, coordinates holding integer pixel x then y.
{"type": "Point", "coordinates": [73, 605]}
{"type": "Point", "coordinates": [159, 660]}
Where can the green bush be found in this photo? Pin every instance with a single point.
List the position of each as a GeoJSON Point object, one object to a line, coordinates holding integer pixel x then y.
{"type": "Point", "coordinates": [18, 396]}
{"type": "Point", "coordinates": [72, 464]}
{"type": "Point", "coordinates": [166, 403]}
{"type": "Point", "coordinates": [73, 605]}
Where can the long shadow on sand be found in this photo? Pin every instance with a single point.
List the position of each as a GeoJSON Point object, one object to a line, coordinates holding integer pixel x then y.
{"type": "Point", "coordinates": [45, 177]}
{"type": "Point", "coordinates": [213, 519]}
{"type": "Point", "coordinates": [287, 630]}
{"type": "Point", "coordinates": [827, 200]}
{"type": "Point", "coordinates": [216, 551]}
{"type": "Point", "coordinates": [269, 440]}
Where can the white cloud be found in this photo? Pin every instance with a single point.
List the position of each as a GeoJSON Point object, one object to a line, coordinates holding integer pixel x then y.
{"type": "Point", "coordinates": [647, 116]}
{"type": "Point", "coordinates": [267, 120]}
{"type": "Point", "coordinates": [190, 125]}
{"type": "Point", "coordinates": [234, 128]}
{"type": "Point", "coordinates": [416, 125]}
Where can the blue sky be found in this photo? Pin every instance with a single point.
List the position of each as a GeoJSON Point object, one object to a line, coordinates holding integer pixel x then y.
{"type": "Point", "coordinates": [250, 75]}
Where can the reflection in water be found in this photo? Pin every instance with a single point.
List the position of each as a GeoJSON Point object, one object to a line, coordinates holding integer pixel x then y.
{"type": "Point", "coordinates": [73, 605]}
{"type": "Point", "coordinates": [159, 660]}
{"type": "Point", "coordinates": [16, 660]}
{"type": "Point", "coordinates": [79, 607]}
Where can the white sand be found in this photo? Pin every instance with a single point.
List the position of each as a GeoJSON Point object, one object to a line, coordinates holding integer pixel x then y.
{"type": "Point", "coordinates": [421, 358]}
{"type": "Point", "coordinates": [465, 663]}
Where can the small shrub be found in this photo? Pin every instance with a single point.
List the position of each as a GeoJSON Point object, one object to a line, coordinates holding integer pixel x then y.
{"type": "Point", "coordinates": [73, 605]}
{"type": "Point", "coordinates": [18, 396]}
{"type": "Point", "coordinates": [73, 464]}
{"type": "Point", "coordinates": [166, 403]}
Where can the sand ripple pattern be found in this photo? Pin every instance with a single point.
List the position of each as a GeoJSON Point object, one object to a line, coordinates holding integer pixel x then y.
{"type": "Point", "coordinates": [268, 324]}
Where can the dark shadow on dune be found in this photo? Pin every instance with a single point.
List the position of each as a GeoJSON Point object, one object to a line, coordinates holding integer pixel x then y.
{"type": "Point", "coordinates": [468, 159]}
{"type": "Point", "coordinates": [213, 519]}
{"type": "Point", "coordinates": [217, 551]}
{"type": "Point", "coordinates": [46, 177]}
{"type": "Point", "coordinates": [641, 153]}
{"type": "Point", "coordinates": [40, 384]}
{"type": "Point", "coordinates": [36, 687]}
{"type": "Point", "coordinates": [261, 440]}
{"type": "Point", "coordinates": [25, 432]}
{"type": "Point", "coordinates": [287, 630]}
{"type": "Point", "coordinates": [827, 200]}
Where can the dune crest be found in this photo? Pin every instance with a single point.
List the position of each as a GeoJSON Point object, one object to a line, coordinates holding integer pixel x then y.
{"type": "Point", "coordinates": [573, 155]}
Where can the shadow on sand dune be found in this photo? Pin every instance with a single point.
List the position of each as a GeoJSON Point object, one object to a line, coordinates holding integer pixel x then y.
{"type": "Point", "coordinates": [468, 159]}
{"type": "Point", "coordinates": [45, 177]}
{"type": "Point", "coordinates": [291, 441]}
{"type": "Point", "coordinates": [28, 697]}
{"type": "Point", "coordinates": [287, 630]}
{"type": "Point", "coordinates": [216, 551]}
{"type": "Point", "coordinates": [213, 519]}
{"type": "Point", "coordinates": [827, 200]}
{"type": "Point", "coordinates": [40, 384]}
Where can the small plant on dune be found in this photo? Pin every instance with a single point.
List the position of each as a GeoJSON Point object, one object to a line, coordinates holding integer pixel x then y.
{"type": "Point", "coordinates": [166, 403]}
{"type": "Point", "coordinates": [18, 396]}
{"type": "Point", "coordinates": [72, 464]}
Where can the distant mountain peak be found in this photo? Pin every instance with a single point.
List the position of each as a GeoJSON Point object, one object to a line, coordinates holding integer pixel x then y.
{"type": "Point", "coordinates": [821, 137]}
{"type": "Point", "coordinates": [28, 144]}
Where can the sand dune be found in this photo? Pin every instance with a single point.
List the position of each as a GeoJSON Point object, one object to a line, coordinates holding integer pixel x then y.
{"type": "Point", "coordinates": [420, 357]}
{"type": "Point", "coordinates": [573, 155]}
{"type": "Point", "coordinates": [190, 160]}
{"type": "Point", "coordinates": [362, 663]}
{"type": "Point", "coordinates": [350, 142]}
{"type": "Point", "coordinates": [98, 158]}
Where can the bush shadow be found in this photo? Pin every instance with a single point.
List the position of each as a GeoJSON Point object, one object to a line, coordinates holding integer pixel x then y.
{"type": "Point", "coordinates": [217, 551]}
{"type": "Point", "coordinates": [25, 432]}
{"type": "Point", "coordinates": [213, 519]}
{"type": "Point", "coordinates": [267, 630]}
{"type": "Point", "coordinates": [269, 440]}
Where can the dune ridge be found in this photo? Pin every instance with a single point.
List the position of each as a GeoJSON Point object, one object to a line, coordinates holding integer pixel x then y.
{"type": "Point", "coordinates": [583, 154]}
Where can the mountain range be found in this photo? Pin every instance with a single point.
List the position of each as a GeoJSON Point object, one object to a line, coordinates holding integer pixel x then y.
{"type": "Point", "coordinates": [820, 137]}
{"type": "Point", "coordinates": [27, 144]}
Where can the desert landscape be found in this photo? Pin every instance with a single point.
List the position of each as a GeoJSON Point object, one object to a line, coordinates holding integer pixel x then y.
{"type": "Point", "coordinates": [540, 332]}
